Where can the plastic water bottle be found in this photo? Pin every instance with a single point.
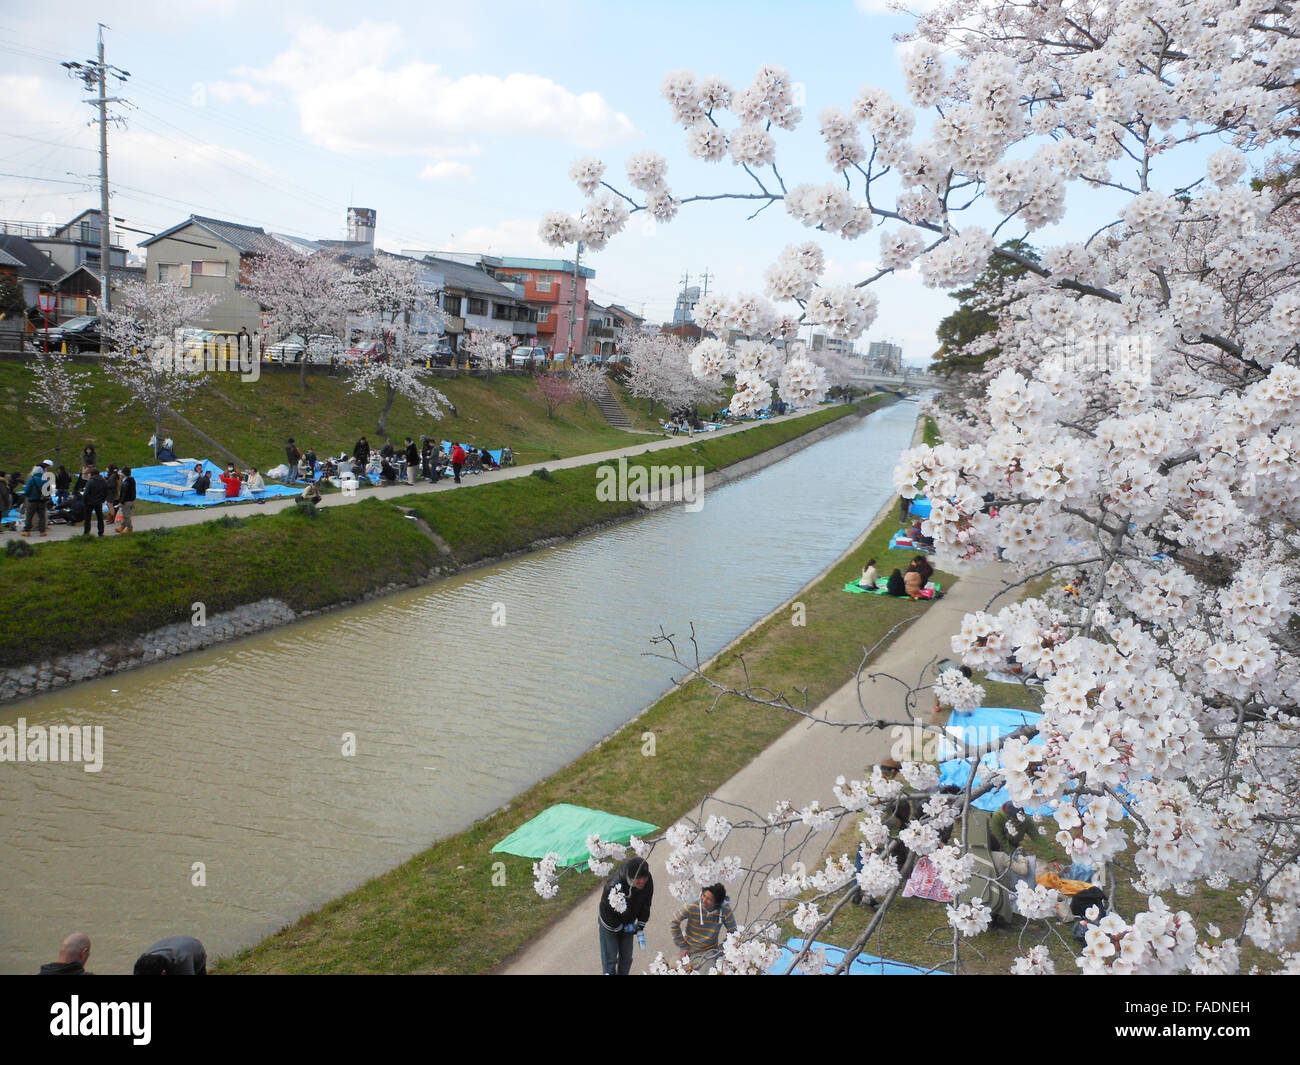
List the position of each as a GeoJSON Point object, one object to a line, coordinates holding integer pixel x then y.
{"type": "Point", "coordinates": [640, 940]}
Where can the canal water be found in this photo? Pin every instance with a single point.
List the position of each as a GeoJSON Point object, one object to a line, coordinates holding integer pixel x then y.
{"type": "Point", "coordinates": [245, 785]}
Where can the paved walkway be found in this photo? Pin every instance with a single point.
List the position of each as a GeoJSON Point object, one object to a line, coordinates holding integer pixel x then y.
{"type": "Point", "coordinates": [197, 515]}
{"type": "Point", "coordinates": [800, 766]}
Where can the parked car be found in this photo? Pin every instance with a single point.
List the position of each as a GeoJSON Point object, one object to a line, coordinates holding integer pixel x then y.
{"type": "Point", "coordinates": [79, 334]}
{"type": "Point", "coordinates": [436, 353]}
{"type": "Point", "coordinates": [320, 347]}
{"type": "Point", "coordinates": [524, 356]}
{"type": "Point", "coordinates": [366, 351]}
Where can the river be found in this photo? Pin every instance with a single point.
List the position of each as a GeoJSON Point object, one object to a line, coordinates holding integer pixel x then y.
{"type": "Point", "coordinates": [229, 801]}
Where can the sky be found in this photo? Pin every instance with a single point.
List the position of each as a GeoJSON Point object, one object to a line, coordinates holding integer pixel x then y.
{"type": "Point", "coordinates": [456, 123]}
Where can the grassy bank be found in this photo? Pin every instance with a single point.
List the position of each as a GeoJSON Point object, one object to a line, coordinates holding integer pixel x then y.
{"type": "Point", "coordinates": [441, 911]}
{"type": "Point", "coordinates": [254, 420]}
{"type": "Point", "coordinates": [77, 594]}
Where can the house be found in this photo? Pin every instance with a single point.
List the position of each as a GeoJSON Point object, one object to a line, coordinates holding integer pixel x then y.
{"type": "Point", "coordinates": [36, 271]}
{"type": "Point", "coordinates": [75, 244]}
{"type": "Point", "coordinates": [474, 300]}
{"type": "Point", "coordinates": [213, 256]}
{"type": "Point", "coordinates": [547, 286]}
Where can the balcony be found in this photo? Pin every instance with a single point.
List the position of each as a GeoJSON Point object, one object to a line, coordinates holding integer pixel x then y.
{"type": "Point", "coordinates": [600, 332]}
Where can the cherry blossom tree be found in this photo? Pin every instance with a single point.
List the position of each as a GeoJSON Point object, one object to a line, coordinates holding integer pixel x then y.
{"type": "Point", "coordinates": [57, 390]}
{"type": "Point", "coordinates": [1136, 428]}
{"type": "Point", "coordinates": [303, 294]}
{"type": "Point", "coordinates": [488, 349]}
{"type": "Point", "coordinates": [151, 359]}
{"type": "Point", "coordinates": [659, 370]}
{"type": "Point", "coordinates": [552, 390]}
{"type": "Point", "coordinates": [589, 380]}
{"type": "Point", "coordinates": [389, 291]}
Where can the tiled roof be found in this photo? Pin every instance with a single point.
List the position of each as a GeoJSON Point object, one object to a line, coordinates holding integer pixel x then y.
{"type": "Point", "coordinates": [246, 240]}
{"type": "Point", "coordinates": [34, 264]}
{"type": "Point", "coordinates": [471, 279]}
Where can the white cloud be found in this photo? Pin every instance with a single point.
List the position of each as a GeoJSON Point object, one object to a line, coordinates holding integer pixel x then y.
{"type": "Point", "coordinates": [514, 236]}
{"type": "Point", "coordinates": [225, 91]}
{"type": "Point", "coordinates": [446, 169]}
{"type": "Point", "coordinates": [352, 98]}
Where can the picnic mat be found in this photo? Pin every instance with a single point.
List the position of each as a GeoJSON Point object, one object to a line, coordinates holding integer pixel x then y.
{"type": "Point", "coordinates": [564, 829]}
{"type": "Point", "coordinates": [882, 588]}
{"type": "Point", "coordinates": [862, 965]}
{"type": "Point", "coordinates": [900, 541]}
{"type": "Point", "coordinates": [176, 474]}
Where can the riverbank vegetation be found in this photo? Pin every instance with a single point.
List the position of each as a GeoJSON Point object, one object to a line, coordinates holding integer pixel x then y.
{"type": "Point", "coordinates": [76, 594]}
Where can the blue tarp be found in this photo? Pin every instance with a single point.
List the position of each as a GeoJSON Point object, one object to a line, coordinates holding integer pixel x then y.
{"type": "Point", "coordinates": [177, 475]}
{"type": "Point", "coordinates": [976, 728]}
{"type": "Point", "coordinates": [920, 507]}
{"type": "Point", "coordinates": [862, 965]}
{"type": "Point", "coordinates": [894, 544]}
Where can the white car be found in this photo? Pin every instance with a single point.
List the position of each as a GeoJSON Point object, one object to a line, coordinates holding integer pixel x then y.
{"type": "Point", "coordinates": [320, 347]}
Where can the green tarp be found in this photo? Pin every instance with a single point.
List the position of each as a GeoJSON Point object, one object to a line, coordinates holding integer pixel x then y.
{"type": "Point", "coordinates": [882, 588]}
{"type": "Point", "coordinates": [564, 829]}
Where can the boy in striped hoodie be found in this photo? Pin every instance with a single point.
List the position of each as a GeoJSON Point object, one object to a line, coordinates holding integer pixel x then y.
{"type": "Point", "coordinates": [697, 926]}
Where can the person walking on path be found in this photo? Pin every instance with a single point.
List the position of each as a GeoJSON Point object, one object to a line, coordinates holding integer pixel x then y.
{"type": "Point", "coordinates": [697, 926]}
{"type": "Point", "coordinates": [36, 497]}
{"type": "Point", "coordinates": [623, 914]}
{"type": "Point", "coordinates": [126, 500]}
{"type": "Point", "coordinates": [96, 495]}
{"type": "Point", "coordinates": [458, 457]}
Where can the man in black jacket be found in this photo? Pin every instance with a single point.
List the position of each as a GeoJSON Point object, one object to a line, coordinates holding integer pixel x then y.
{"type": "Point", "coordinates": [126, 500]}
{"type": "Point", "coordinates": [73, 954]}
{"type": "Point", "coordinates": [362, 452]}
{"type": "Point", "coordinates": [96, 494]}
{"type": "Point", "coordinates": [292, 456]}
{"type": "Point", "coordinates": [623, 913]}
{"type": "Point", "coordinates": [412, 461]}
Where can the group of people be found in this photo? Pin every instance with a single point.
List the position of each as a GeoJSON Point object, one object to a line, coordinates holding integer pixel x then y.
{"type": "Point", "coordinates": [425, 461]}
{"type": "Point", "coordinates": [49, 494]}
{"type": "Point", "coordinates": [624, 912]}
{"type": "Point", "coordinates": [233, 480]}
{"type": "Point", "coordinates": [173, 956]}
{"type": "Point", "coordinates": [907, 584]}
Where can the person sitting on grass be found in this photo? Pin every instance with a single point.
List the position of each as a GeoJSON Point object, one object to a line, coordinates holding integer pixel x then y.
{"type": "Point", "coordinates": [232, 482]}
{"type": "Point", "coordinates": [203, 482]}
{"type": "Point", "coordinates": [868, 578]}
{"type": "Point", "coordinates": [896, 585]}
{"type": "Point", "coordinates": [310, 495]}
{"type": "Point", "coordinates": [387, 473]}
{"type": "Point", "coordinates": [912, 581]}
{"type": "Point", "coordinates": [924, 568]}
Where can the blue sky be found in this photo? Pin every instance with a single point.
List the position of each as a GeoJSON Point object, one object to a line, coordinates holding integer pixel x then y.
{"type": "Point", "coordinates": [457, 123]}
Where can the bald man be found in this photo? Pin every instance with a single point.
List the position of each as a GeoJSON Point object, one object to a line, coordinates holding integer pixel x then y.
{"type": "Point", "coordinates": [72, 957]}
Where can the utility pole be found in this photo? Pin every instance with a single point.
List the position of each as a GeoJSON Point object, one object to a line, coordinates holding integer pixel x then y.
{"type": "Point", "coordinates": [573, 300]}
{"type": "Point", "coordinates": [706, 283]}
{"type": "Point", "coordinates": [94, 75]}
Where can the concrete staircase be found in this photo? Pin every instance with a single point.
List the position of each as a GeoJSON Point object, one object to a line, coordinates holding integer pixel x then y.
{"type": "Point", "coordinates": [611, 409]}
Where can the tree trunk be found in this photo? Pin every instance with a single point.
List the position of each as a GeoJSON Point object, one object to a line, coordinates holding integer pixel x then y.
{"type": "Point", "coordinates": [382, 430]}
{"type": "Point", "coordinates": [302, 370]}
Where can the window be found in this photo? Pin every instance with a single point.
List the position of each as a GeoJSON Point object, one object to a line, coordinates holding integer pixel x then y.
{"type": "Point", "coordinates": [451, 304]}
{"type": "Point", "coordinates": [544, 315]}
{"type": "Point", "coordinates": [209, 268]}
{"type": "Point", "coordinates": [544, 282]}
{"type": "Point", "coordinates": [169, 272]}
{"type": "Point", "coordinates": [477, 306]}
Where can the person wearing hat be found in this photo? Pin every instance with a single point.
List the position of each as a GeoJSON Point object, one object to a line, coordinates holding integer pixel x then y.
{"type": "Point", "coordinates": [697, 927]}
{"type": "Point", "coordinates": [623, 912]}
{"type": "Point", "coordinates": [36, 497]}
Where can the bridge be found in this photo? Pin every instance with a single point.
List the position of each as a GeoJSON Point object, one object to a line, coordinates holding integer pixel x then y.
{"type": "Point", "coordinates": [908, 381]}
